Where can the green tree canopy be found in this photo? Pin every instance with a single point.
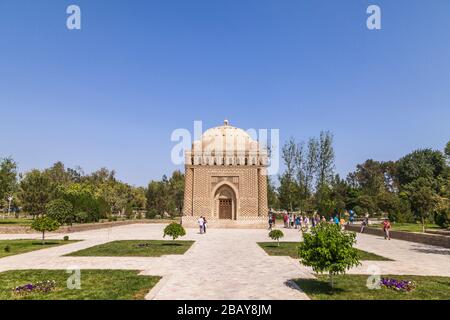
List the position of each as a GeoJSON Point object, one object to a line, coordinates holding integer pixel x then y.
{"type": "Point", "coordinates": [328, 249]}
{"type": "Point", "coordinates": [36, 190]}
{"type": "Point", "coordinates": [60, 210]}
{"type": "Point", "coordinates": [174, 230]}
{"type": "Point", "coordinates": [44, 224]}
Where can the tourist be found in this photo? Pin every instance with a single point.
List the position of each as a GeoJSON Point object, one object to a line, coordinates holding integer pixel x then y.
{"type": "Point", "coordinates": [274, 219]}
{"type": "Point", "coordinates": [306, 222]}
{"type": "Point", "coordinates": [336, 220]}
{"type": "Point", "coordinates": [286, 219]}
{"type": "Point", "coordinates": [363, 225]}
{"type": "Point", "coordinates": [297, 222]}
{"type": "Point", "coordinates": [270, 221]}
{"type": "Point", "coordinates": [200, 224]}
{"type": "Point", "coordinates": [291, 221]}
{"type": "Point", "coordinates": [204, 224]}
{"type": "Point", "coordinates": [342, 223]}
{"type": "Point", "coordinates": [386, 228]}
{"type": "Point", "coordinates": [313, 221]}
{"type": "Point", "coordinates": [324, 219]}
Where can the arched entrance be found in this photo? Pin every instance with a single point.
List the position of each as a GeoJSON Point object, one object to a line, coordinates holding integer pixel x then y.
{"type": "Point", "coordinates": [225, 203]}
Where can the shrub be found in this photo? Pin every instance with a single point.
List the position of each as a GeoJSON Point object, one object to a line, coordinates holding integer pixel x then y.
{"type": "Point", "coordinates": [7, 248]}
{"type": "Point", "coordinates": [82, 217]}
{"type": "Point", "coordinates": [66, 238]}
{"type": "Point", "coordinates": [276, 235]}
{"type": "Point", "coordinates": [328, 249]}
{"type": "Point", "coordinates": [442, 218]}
{"type": "Point", "coordinates": [174, 230]}
{"type": "Point", "coordinates": [43, 224]}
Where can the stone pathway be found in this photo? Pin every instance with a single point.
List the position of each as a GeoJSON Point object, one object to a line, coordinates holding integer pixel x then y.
{"type": "Point", "coordinates": [224, 263]}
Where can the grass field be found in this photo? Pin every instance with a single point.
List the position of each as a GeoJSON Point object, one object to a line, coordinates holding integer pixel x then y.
{"type": "Point", "coordinates": [353, 287]}
{"type": "Point", "coordinates": [23, 246]}
{"type": "Point", "coordinates": [291, 249]}
{"type": "Point", "coordinates": [408, 227]}
{"type": "Point", "coordinates": [95, 285]}
{"type": "Point", "coordinates": [131, 248]}
{"type": "Point", "coordinates": [14, 221]}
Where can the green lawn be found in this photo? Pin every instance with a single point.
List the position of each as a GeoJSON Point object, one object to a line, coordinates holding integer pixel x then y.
{"type": "Point", "coordinates": [130, 248]}
{"type": "Point", "coordinates": [291, 249]}
{"type": "Point", "coordinates": [23, 246]}
{"type": "Point", "coordinates": [14, 221]}
{"type": "Point", "coordinates": [409, 227]}
{"type": "Point", "coordinates": [353, 287]}
{"type": "Point", "coordinates": [95, 285]}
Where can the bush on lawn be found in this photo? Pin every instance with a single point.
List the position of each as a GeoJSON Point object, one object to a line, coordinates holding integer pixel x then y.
{"type": "Point", "coordinates": [276, 235]}
{"type": "Point", "coordinates": [329, 249]}
{"type": "Point", "coordinates": [174, 230]}
{"type": "Point", "coordinates": [44, 224]}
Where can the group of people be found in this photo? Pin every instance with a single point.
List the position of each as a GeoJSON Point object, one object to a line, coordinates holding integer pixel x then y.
{"type": "Point", "coordinates": [202, 224]}
{"type": "Point", "coordinates": [295, 221]}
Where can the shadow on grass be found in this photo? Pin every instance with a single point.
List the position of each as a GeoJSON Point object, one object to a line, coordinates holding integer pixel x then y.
{"type": "Point", "coordinates": [314, 286]}
{"type": "Point", "coordinates": [46, 243]}
{"type": "Point", "coordinates": [172, 244]}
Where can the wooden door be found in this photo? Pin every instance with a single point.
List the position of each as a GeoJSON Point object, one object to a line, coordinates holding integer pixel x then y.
{"type": "Point", "coordinates": [225, 209]}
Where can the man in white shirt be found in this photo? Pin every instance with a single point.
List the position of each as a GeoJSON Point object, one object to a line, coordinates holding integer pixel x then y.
{"type": "Point", "coordinates": [200, 224]}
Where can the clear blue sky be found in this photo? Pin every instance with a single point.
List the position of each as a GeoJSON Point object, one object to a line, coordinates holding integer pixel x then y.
{"type": "Point", "coordinates": [111, 94]}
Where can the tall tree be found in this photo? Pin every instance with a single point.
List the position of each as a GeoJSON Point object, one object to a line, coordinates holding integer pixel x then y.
{"type": "Point", "coordinates": [325, 163]}
{"type": "Point", "coordinates": [36, 191]}
{"type": "Point", "coordinates": [311, 164]}
{"type": "Point", "coordinates": [8, 179]}
{"type": "Point", "coordinates": [176, 183]}
{"type": "Point", "coordinates": [272, 195]}
{"type": "Point", "coordinates": [287, 180]}
{"type": "Point", "coordinates": [426, 163]}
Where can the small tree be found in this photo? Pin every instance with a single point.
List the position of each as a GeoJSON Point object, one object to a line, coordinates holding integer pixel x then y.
{"type": "Point", "coordinates": [174, 230]}
{"type": "Point", "coordinates": [276, 235]}
{"type": "Point", "coordinates": [60, 210]}
{"type": "Point", "coordinates": [329, 249]}
{"type": "Point", "coordinates": [43, 224]}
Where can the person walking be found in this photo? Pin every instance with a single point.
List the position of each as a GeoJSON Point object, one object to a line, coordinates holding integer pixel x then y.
{"type": "Point", "coordinates": [386, 229]}
{"type": "Point", "coordinates": [336, 220]}
{"type": "Point", "coordinates": [270, 221]}
{"type": "Point", "coordinates": [286, 219]}
{"type": "Point", "coordinates": [200, 224]}
{"type": "Point", "coordinates": [363, 225]}
{"type": "Point", "coordinates": [204, 224]}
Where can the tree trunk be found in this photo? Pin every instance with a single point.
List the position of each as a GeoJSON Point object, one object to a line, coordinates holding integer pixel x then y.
{"type": "Point", "coordinates": [278, 242]}
{"type": "Point", "coordinates": [423, 224]}
{"type": "Point", "coordinates": [331, 280]}
{"type": "Point", "coordinates": [43, 237]}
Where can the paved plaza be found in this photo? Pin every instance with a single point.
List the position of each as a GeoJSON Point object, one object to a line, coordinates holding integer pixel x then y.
{"type": "Point", "coordinates": [223, 263]}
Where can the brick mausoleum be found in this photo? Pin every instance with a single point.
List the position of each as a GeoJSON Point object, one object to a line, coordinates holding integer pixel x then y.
{"type": "Point", "coordinates": [226, 179]}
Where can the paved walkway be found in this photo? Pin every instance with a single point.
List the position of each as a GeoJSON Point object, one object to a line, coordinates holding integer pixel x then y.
{"type": "Point", "coordinates": [224, 263]}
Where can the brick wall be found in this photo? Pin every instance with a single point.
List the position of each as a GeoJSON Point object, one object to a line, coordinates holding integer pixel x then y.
{"type": "Point", "coordinates": [432, 239]}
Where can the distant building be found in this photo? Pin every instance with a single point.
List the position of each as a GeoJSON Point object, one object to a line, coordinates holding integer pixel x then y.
{"type": "Point", "coordinates": [225, 179]}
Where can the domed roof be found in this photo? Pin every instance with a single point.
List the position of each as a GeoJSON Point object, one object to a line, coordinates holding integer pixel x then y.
{"type": "Point", "coordinates": [225, 138]}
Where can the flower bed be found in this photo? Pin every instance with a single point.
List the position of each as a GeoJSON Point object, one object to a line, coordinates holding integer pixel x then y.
{"type": "Point", "coordinates": [41, 287]}
{"type": "Point", "coordinates": [399, 285]}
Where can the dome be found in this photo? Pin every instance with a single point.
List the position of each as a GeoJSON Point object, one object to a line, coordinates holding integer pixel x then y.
{"type": "Point", "coordinates": [225, 139]}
